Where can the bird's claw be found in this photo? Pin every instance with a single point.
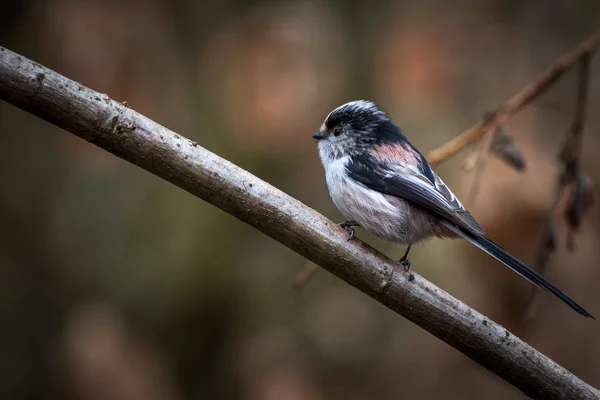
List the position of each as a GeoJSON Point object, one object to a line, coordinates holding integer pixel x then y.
{"type": "Point", "coordinates": [351, 233]}
{"type": "Point", "coordinates": [347, 225]}
{"type": "Point", "coordinates": [405, 264]}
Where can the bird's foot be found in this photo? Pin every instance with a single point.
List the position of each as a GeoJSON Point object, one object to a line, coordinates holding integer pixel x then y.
{"type": "Point", "coordinates": [405, 263]}
{"type": "Point", "coordinates": [348, 227]}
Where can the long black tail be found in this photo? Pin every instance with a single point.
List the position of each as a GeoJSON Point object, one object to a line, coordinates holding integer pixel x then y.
{"type": "Point", "coordinates": [513, 263]}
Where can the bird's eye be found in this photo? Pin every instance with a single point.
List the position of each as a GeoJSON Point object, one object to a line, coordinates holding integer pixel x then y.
{"type": "Point", "coordinates": [337, 131]}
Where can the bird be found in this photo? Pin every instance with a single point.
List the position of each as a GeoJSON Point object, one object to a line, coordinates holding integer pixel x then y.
{"type": "Point", "coordinates": [383, 184]}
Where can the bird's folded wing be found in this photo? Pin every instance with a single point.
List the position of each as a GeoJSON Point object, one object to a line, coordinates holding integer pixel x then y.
{"type": "Point", "coordinates": [412, 185]}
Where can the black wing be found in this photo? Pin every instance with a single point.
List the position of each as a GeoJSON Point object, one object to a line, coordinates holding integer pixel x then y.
{"type": "Point", "coordinates": [412, 184]}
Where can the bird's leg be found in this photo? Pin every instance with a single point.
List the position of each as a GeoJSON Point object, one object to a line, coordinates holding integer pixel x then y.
{"type": "Point", "coordinates": [404, 261]}
{"type": "Point", "coordinates": [347, 225]}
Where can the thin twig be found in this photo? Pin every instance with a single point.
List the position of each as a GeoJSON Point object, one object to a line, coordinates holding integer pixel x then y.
{"type": "Point", "coordinates": [529, 93]}
{"type": "Point", "coordinates": [567, 178]}
{"type": "Point", "coordinates": [301, 279]}
{"type": "Point", "coordinates": [571, 151]}
{"type": "Point", "coordinates": [478, 166]}
{"type": "Point", "coordinates": [129, 135]}
{"type": "Point", "coordinates": [569, 156]}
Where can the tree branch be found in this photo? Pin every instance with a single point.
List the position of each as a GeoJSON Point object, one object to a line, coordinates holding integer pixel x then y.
{"type": "Point", "coordinates": [529, 93]}
{"type": "Point", "coordinates": [141, 141]}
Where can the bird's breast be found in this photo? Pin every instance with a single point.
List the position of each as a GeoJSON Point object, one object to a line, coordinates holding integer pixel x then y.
{"type": "Point", "coordinates": [388, 217]}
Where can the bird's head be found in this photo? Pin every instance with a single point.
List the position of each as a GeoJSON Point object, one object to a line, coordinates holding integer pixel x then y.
{"type": "Point", "coordinates": [354, 128]}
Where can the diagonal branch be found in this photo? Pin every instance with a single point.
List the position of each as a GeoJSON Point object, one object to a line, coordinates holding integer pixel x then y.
{"type": "Point", "coordinates": [529, 93]}
{"type": "Point", "coordinates": [141, 141]}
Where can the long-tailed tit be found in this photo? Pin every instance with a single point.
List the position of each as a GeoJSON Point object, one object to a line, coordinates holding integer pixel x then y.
{"type": "Point", "coordinates": [382, 183]}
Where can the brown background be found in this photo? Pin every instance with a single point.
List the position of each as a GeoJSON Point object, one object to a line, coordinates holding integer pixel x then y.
{"type": "Point", "coordinates": [117, 285]}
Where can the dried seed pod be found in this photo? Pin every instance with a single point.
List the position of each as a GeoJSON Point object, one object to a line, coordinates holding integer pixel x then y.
{"type": "Point", "coordinates": [580, 200]}
{"type": "Point", "coordinates": [504, 147]}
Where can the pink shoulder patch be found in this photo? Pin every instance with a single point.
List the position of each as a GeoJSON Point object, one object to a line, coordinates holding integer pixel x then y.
{"type": "Point", "coordinates": [397, 153]}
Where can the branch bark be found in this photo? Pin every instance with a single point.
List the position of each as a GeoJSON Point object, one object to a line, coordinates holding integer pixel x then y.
{"type": "Point", "coordinates": [129, 135]}
{"type": "Point", "coordinates": [529, 93]}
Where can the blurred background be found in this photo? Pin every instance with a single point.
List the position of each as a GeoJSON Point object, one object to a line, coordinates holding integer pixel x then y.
{"type": "Point", "coordinates": [117, 285]}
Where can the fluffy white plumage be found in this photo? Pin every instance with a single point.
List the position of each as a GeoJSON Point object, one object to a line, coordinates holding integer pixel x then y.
{"type": "Point", "coordinates": [384, 216]}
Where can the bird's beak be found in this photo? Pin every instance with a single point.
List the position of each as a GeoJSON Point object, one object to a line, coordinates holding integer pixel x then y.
{"type": "Point", "coordinates": [318, 136]}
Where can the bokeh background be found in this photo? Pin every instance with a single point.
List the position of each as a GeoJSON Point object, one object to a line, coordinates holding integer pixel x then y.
{"type": "Point", "coordinates": [117, 285]}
